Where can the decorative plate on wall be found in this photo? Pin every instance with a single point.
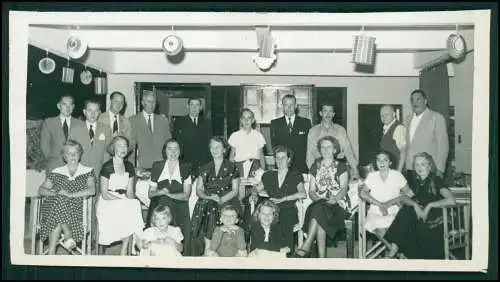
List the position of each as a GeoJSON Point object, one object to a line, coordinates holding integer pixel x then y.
{"type": "Point", "coordinates": [47, 65]}
{"type": "Point", "coordinates": [172, 45]}
{"type": "Point", "coordinates": [86, 77]}
{"type": "Point", "coordinates": [456, 46]}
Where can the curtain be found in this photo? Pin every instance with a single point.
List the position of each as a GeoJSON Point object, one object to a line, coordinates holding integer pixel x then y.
{"type": "Point", "coordinates": [435, 82]}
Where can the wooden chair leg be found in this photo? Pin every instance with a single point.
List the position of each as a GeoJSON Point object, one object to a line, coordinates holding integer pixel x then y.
{"type": "Point", "coordinates": [349, 238]}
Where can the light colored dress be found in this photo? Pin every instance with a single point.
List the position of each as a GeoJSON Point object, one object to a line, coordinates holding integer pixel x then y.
{"type": "Point", "coordinates": [383, 191]}
{"type": "Point", "coordinates": [118, 219]}
{"type": "Point", "coordinates": [157, 249]}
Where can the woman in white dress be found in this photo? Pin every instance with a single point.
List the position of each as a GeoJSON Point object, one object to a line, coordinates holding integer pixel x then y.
{"type": "Point", "coordinates": [118, 212]}
{"type": "Point", "coordinates": [383, 189]}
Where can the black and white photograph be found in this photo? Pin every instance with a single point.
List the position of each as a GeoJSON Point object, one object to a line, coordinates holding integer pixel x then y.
{"type": "Point", "coordinates": [250, 140]}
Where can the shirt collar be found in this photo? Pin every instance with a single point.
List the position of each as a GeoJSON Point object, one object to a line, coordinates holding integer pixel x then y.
{"type": "Point", "coordinates": [423, 113]}
{"type": "Point", "coordinates": [62, 118]}
{"type": "Point", "coordinates": [112, 116]}
{"type": "Point", "coordinates": [89, 124]}
{"type": "Point", "coordinates": [292, 118]}
{"type": "Point", "coordinates": [146, 115]}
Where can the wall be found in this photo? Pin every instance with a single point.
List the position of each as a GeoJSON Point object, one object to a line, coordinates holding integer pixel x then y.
{"type": "Point", "coordinates": [461, 92]}
{"type": "Point", "coordinates": [360, 90]}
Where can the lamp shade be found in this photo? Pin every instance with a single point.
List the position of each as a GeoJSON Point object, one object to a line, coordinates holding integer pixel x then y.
{"type": "Point", "coordinates": [67, 75]}
{"type": "Point", "coordinates": [363, 52]}
{"type": "Point", "coordinates": [100, 86]}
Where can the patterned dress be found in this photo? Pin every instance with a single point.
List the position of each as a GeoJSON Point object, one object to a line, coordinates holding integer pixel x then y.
{"type": "Point", "coordinates": [206, 214]}
{"type": "Point", "coordinates": [60, 209]}
{"type": "Point", "coordinates": [329, 217]}
{"type": "Point", "coordinates": [417, 239]}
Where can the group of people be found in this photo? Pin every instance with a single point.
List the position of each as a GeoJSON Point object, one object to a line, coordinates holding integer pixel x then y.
{"type": "Point", "coordinates": [242, 208]}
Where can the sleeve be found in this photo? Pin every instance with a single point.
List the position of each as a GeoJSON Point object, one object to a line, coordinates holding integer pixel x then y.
{"type": "Point", "coordinates": [176, 132]}
{"type": "Point", "coordinates": [177, 235]}
{"type": "Point", "coordinates": [232, 140]}
{"type": "Point", "coordinates": [262, 141]}
{"type": "Point", "coordinates": [45, 139]}
{"type": "Point", "coordinates": [314, 168]}
{"type": "Point", "coordinates": [369, 181]}
{"type": "Point", "coordinates": [311, 147]}
{"type": "Point", "coordinates": [107, 170]}
{"type": "Point", "coordinates": [346, 148]}
{"type": "Point", "coordinates": [399, 136]}
{"type": "Point", "coordinates": [442, 143]}
{"type": "Point", "coordinates": [297, 178]}
{"type": "Point", "coordinates": [155, 172]}
{"type": "Point", "coordinates": [240, 237]}
{"type": "Point", "coordinates": [401, 179]}
{"type": "Point", "coordinates": [216, 239]}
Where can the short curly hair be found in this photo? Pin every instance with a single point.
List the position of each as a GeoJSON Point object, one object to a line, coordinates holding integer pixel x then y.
{"type": "Point", "coordinates": [331, 139]}
{"type": "Point", "coordinates": [111, 146]}
{"type": "Point", "coordinates": [71, 143]}
{"type": "Point", "coordinates": [270, 204]}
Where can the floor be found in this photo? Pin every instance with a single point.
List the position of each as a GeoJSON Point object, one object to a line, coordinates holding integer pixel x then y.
{"type": "Point", "coordinates": [338, 252]}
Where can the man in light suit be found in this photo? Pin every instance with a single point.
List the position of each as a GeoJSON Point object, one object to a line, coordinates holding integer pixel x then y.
{"type": "Point", "coordinates": [94, 137]}
{"type": "Point", "coordinates": [193, 132]}
{"type": "Point", "coordinates": [426, 132]}
{"type": "Point", "coordinates": [113, 119]}
{"type": "Point", "coordinates": [291, 131]}
{"type": "Point", "coordinates": [56, 130]}
{"type": "Point", "coordinates": [150, 131]}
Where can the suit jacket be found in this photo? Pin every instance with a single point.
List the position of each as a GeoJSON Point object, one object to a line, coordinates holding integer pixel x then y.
{"type": "Point", "coordinates": [430, 136]}
{"type": "Point", "coordinates": [296, 141]}
{"type": "Point", "coordinates": [96, 155]}
{"type": "Point", "coordinates": [193, 139]}
{"type": "Point", "coordinates": [124, 128]}
{"type": "Point", "coordinates": [149, 144]}
{"type": "Point", "coordinates": [52, 140]}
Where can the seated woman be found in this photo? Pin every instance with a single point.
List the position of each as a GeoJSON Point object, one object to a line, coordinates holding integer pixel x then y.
{"type": "Point", "coordinates": [383, 189]}
{"type": "Point", "coordinates": [217, 185]}
{"type": "Point", "coordinates": [417, 230]}
{"type": "Point", "coordinates": [63, 191]}
{"type": "Point", "coordinates": [118, 213]}
{"type": "Point", "coordinates": [328, 190]}
{"type": "Point", "coordinates": [284, 187]}
{"type": "Point", "coordinates": [266, 236]}
{"type": "Point", "coordinates": [170, 185]}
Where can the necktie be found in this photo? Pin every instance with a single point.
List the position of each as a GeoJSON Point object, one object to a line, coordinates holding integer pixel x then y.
{"type": "Point", "coordinates": [65, 129]}
{"type": "Point", "coordinates": [195, 120]}
{"type": "Point", "coordinates": [115, 125]}
{"type": "Point", "coordinates": [91, 135]}
{"type": "Point", "coordinates": [290, 126]}
{"type": "Point", "coordinates": [149, 123]}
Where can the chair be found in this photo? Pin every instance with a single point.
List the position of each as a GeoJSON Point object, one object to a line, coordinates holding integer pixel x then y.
{"type": "Point", "coordinates": [349, 222]}
{"type": "Point", "coordinates": [87, 230]}
{"type": "Point", "coordinates": [378, 247]}
{"type": "Point", "coordinates": [457, 224]}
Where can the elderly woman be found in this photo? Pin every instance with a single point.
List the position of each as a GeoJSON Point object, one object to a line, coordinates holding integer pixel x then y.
{"type": "Point", "coordinates": [417, 230]}
{"type": "Point", "coordinates": [284, 187]}
{"type": "Point", "coordinates": [118, 212]}
{"type": "Point", "coordinates": [64, 190]}
{"type": "Point", "coordinates": [170, 185]}
{"type": "Point", "coordinates": [328, 190]}
{"type": "Point", "coordinates": [217, 185]}
{"type": "Point", "coordinates": [383, 189]}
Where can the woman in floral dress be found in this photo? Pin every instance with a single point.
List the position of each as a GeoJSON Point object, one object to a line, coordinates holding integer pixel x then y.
{"type": "Point", "coordinates": [328, 190]}
{"type": "Point", "coordinates": [217, 185]}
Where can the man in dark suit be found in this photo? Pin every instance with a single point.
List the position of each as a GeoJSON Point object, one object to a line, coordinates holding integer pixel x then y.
{"type": "Point", "coordinates": [291, 131]}
{"type": "Point", "coordinates": [113, 119]}
{"type": "Point", "coordinates": [193, 132]}
{"type": "Point", "coordinates": [56, 130]}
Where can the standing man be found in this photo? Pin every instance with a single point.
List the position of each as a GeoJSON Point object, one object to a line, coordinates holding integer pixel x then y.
{"type": "Point", "coordinates": [150, 131]}
{"type": "Point", "coordinates": [94, 137]}
{"type": "Point", "coordinates": [426, 133]}
{"type": "Point", "coordinates": [193, 132]}
{"type": "Point", "coordinates": [291, 131]}
{"type": "Point", "coordinates": [56, 130]}
{"type": "Point", "coordinates": [328, 128]}
{"type": "Point", "coordinates": [394, 136]}
{"type": "Point", "coordinates": [117, 123]}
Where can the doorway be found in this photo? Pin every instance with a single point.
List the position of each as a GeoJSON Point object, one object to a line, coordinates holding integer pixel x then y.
{"type": "Point", "coordinates": [371, 129]}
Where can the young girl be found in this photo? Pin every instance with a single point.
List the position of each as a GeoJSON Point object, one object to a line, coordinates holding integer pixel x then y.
{"type": "Point", "coordinates": [266, 238]}
{"type": "Point", "coordinates": [161, 239]}
{"type": "Point", "coordinates": [228, 240]}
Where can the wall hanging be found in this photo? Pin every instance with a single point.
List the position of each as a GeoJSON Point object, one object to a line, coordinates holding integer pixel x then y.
{"type": "Point", "coordinates": [172, 44]}
{"type": "Point", "coordinates": [76, 47]}
{"type": "Point", "coordinates": [67, 74]}
{"type": "Point", "coordinates": [266, 56]}
{"type": "Point", "coordinates": [100, 85]}
{"type": "Point", "coordinates": [455, 45]}
{"type": "Point", "coordinates": [47, 65]}
{"type": "Point", "coordinates": [363, 52]}
{"type": "Point", "coordinates": [86, 76]}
